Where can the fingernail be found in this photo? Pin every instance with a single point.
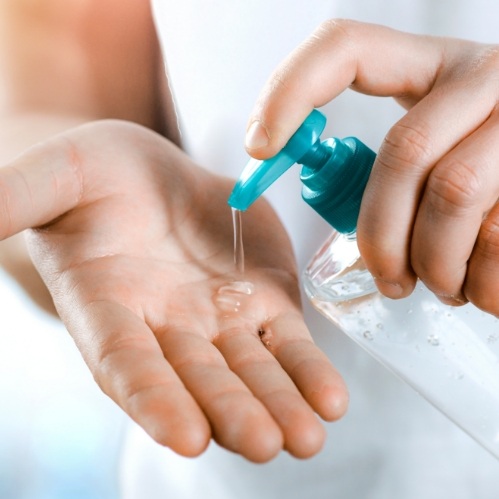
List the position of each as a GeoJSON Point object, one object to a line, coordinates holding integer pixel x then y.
{"type": "Point", "coordinates": [452, 300]}
{"type": "Point", "coordinates": [256, 136]}
{"type": "Point", "coordinates": [389, 289]}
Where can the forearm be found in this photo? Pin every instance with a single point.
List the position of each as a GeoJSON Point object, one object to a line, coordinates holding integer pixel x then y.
{"type": "Point", "coordinates": [18, 132]}
{"type": "Point", "coordinates": [63, 64]}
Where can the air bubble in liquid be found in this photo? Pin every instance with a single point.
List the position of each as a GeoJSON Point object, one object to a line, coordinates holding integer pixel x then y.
{"type": "Point", "coordinates": [433, 340]}
{"type": "Point", "coordinates": [368, 335]}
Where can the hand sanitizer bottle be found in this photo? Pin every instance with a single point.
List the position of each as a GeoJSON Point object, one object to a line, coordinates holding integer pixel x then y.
{"type": "Point", "coordinates": [450, 355]}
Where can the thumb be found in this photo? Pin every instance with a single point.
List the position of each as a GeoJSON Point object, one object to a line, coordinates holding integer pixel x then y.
{"type": "Point", "coordinates": [40, 185]}
{"type": "Point", "coordinates": [369, 58]}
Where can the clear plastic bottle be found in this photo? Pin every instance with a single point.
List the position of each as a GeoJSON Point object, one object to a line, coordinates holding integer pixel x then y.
{"type": "Point", "coordinates": [450, 355]}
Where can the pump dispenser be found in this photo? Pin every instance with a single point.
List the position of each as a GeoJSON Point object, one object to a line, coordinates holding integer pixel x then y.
{"type": "Point", "coordinates": [334, 173]}
{"type": "Point", "coordinates": [450, 355]}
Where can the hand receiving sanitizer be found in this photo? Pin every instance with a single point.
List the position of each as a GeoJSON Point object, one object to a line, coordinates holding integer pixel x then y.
{"type": "Point", "coordinates": [449, 355]}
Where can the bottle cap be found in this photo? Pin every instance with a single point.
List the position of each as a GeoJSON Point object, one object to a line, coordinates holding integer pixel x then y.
{"type": "Point", "coordinates": [334, 189]}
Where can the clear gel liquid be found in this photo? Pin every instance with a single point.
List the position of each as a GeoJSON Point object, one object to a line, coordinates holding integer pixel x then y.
{"type": "Point", "coordinates": [237, 224]}
{"type": "Point", "coordinates": [448, 354]}
{"type": "Point", "coordinates": [232, 297]}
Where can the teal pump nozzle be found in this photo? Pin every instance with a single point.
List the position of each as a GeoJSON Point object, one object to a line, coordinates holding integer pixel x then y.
{"type": "Point", "coordinates": [334, 173]}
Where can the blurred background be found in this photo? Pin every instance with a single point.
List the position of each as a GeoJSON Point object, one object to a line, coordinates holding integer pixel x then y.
{"type": "Point", "coordinates": [59, 434]}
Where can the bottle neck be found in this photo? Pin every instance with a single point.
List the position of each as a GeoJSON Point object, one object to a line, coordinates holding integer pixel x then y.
{"type": "Point", "coordinates": [337, 272]}
{"type": "Point", "coordinates": [317, 156]}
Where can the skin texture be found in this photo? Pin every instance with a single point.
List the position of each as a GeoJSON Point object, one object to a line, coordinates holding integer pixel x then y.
{"type": "Point", "coordinates": [429, 210]}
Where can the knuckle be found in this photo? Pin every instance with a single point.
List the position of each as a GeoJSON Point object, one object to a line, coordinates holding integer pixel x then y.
{"type": "Point", "coordinates": [453, 188]}
{"type": "Point", "coordinates": [6, 209]}
{"type": "Point", "coordinates": [406, 148]}
{"type": "Point", "coordinates": [475, 66]}
{"type": "Point", "coordinates": [135, 395]}
{"type": "Point", "coordinates": [340, 33]}
{"type": "Point", "coordinates": [128, 391]}
{"type": "Point", "coordinates": [343, 28]}
{"type": "Point", "coordinates": [279, 80]}
{"type": "Point", "coordinates": [107, 355]}
{"type": "Point", "coordinates": [488, 239]}
{"type": "Point", "coordinates": [76, 165]}
{"type": "Point", "coordinates": [194, 362]}
{"type": "Point", "coordinates": [485, 64]}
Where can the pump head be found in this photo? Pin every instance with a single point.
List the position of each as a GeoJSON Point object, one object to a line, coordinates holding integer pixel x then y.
{"type": "Point", "coordinates": [259, 175]}
{"type": "Point", "coordinates": [335, 173]}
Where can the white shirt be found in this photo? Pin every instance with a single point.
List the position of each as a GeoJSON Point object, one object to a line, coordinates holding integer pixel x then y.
{"type": "Point", "coordinates": [391, 443]}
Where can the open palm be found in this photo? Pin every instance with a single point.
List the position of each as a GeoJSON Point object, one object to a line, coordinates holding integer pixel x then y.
{"type": "Point", "coordinates": [135, 244]}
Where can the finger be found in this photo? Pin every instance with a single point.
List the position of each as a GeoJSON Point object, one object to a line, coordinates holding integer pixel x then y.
{"type": "Point", "coordinates": [288, 338]}
{"type": "Point", "coordinates": [461, 188]}
{"type": "Point", "coordinates": [412, 148]}
{"type": "Point", "coordinates": [339, 54]}
{"type": "Point", "coordinates": [258, 368]}
{"type": "Point", "coordinates": [239, 421]}
{"type": "Point", "coordinates": [39, 185]}
{"type": "Point", "coordinates": [482, 282]}
{"type": "Point", "coordinates": [129, 366]}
